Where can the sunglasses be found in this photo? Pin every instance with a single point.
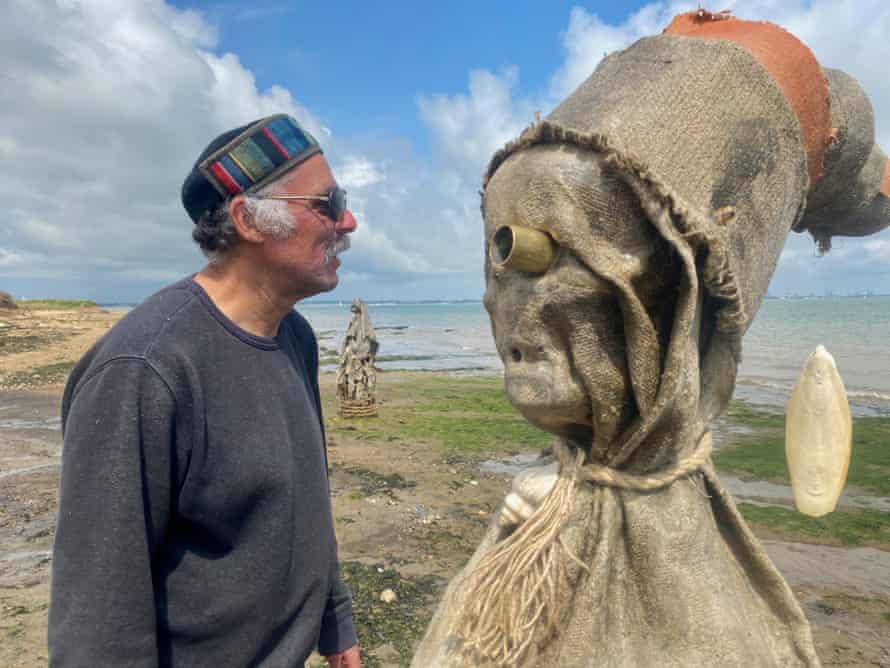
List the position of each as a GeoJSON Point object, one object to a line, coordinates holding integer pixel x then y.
{"type": "Point", "coordinates": [335, 198]}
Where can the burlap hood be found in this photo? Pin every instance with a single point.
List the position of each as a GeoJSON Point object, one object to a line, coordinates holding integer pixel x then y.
{"type": "Point", "coordinates": [708, 144]}
{"type": "Point", "coordinates": [702, 133]}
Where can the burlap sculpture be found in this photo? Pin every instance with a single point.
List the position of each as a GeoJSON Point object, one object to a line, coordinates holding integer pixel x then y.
{"type": "Point", "coordinates": [668, 181]}
{"type": "Point", "coordinates": [356, 375]}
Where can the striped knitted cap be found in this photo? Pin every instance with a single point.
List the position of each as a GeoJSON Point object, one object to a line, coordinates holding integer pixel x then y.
{"type": "Point", "coordinates": [244, 160]}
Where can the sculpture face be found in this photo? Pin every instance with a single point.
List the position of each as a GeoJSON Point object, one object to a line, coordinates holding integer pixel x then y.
{"type": "Point", "coordinates": [560, 333]}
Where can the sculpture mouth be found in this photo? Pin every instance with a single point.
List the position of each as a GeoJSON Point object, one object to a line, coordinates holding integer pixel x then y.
{"type": "Point", "coordinates": [562, 412]}
{"type": "Point", "coordinates": [538, 394]}
{"type": "Point", "coordinates": [815, 490]}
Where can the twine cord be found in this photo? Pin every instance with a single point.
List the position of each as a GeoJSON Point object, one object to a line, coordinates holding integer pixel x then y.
{"type": "Point", "coordinates": [609, 477]}
{"type": "Point", "coordinates": [515, 597]}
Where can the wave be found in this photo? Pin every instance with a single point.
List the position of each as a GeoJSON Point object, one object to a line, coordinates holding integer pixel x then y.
{"type": "Point", "coordinates": [869, 394]}
{"type": "Point", "coordinates": [766, 383]}
{"type": "Point", "coordinates": [787, 386]}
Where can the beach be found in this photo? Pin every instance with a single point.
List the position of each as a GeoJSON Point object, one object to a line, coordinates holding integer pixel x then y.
{"type": "Point", "coordinates": [414, 489]}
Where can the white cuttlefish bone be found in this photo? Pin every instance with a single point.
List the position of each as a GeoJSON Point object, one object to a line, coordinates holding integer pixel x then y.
{"type": "Point", "coordinates": [818, 435]}
{"type": "Point", "coordinates": [527, 492]}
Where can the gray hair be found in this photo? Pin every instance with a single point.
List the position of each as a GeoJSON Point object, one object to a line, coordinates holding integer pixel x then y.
{"type": "Point", "coordinates": [215, 232]}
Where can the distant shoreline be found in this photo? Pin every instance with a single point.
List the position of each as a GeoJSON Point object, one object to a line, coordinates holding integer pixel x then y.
{"type": "Point", "coordinates": [424, 302]}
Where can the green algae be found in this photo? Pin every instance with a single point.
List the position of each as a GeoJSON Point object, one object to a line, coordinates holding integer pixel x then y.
{"type": "Point", "coordinates": [467, 415]}
{"type": "Point", "coordinates": [48, 374]}
{"type": "Point", "coordinates": [56, 304]}
{"type": "Point", "coordinates": [22, 344]}
{"type": "Point", "coordinates": [855, 527]}
{"type": "Point", "coordinates": [760, 454]}
{"type": "Point", "coordinates": [398, 624]}
{"type": "Point", "coordinates": [373, 482]}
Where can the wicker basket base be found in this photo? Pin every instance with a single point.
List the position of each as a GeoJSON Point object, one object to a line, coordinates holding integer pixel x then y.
{"type": "Point", "coordinates": [358, 408]}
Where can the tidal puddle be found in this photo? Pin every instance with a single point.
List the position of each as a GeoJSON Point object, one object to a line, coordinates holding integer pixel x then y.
{"type": "Point", "coordinates": [509, 466]}
{"type": "Point", "coordinates": [53, 424]}
{"type": "Point", "coordinates": [25, 470]}
{"type": "Point", "coordinates": [37, 555]}
{"type": "Point", "coordinates": [762, 493]}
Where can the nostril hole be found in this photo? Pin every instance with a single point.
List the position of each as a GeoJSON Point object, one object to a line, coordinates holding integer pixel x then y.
{"type": "Point", "coordinates": [516, 355]}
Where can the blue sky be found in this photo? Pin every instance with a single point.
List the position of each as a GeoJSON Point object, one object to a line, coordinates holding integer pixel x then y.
{"type": "Point", "coordinates": [360, 66]}
{"type": "Point", "coordinates": [104, 104]}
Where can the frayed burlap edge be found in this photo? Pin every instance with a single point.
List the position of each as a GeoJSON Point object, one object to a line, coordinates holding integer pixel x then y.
{"type": "Point", "coordinates": [704, 233]}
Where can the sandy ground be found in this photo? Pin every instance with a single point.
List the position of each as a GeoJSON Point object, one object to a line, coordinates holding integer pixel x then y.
{"type": "Point", "coordinates": [421, 529]}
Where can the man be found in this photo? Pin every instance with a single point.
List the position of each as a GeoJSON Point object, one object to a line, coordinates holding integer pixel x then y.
{"type": "Point", "coordinates": [195, 523]}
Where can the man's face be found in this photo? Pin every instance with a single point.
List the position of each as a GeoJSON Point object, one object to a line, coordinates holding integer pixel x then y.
{"type": "Point", "coordinates": [560, 333]}
{"type": "Point", "coordinates": [305, 263]}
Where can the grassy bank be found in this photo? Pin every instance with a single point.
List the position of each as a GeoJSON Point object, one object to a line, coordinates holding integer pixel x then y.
{"type": "Point", "coordinates": [56, 304]}
{"type": "Point", "coordinates": [471, 419]}
{"type": "Point", "coordinates": [760, 454]}
{"type": "Point", "coordinates": [468, 417]}
{"type": "Point", "coordinates": [859, 527]}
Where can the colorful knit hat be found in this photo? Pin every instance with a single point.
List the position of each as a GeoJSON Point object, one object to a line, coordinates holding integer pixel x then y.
{"type": "Point", "coordinates": [244, 160]}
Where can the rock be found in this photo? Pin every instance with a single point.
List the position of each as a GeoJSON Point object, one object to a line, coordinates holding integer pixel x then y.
{"type": "Point", "coordinates": [388, 596]}
{"type": "Point", "coordinates": [387, 655]}
{"type": "Point", "coordinates": [6, 300]}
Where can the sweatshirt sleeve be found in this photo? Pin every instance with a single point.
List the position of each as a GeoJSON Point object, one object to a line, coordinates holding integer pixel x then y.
{"type": "Point", "coordinates": [115, 495]}
{"type": "Point", "coordinates": [337, 630]}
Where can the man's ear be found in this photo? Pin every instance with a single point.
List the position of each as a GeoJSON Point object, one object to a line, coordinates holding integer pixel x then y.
{"type": "Point", "coordinates": [242, 221]}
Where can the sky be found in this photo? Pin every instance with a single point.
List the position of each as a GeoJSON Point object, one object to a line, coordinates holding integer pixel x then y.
{"type": "Point", "coordinates": [105, 104]}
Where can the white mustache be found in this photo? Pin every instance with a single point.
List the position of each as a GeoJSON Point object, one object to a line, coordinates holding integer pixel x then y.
{"type": "Point", "coordinates": [340, 245]}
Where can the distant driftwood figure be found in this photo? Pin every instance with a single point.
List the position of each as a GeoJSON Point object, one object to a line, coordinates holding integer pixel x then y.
{"type": "Point", "coordinates": [356, 377]}
{"type": "Point", "coordinates": [630, 238]}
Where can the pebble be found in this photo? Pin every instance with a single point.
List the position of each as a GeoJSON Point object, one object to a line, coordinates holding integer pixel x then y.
{"type": "Point", "coordinates": [388, 596]}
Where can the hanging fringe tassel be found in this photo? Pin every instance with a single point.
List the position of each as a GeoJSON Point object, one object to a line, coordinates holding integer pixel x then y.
{"type": "Point", "coordinates": [518, 590]}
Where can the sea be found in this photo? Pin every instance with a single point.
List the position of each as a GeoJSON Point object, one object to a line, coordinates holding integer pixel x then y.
{"type": "Point", "coordinates": [455, 337]}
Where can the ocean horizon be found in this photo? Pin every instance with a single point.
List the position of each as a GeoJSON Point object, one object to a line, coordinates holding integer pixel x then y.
{"type": "Point", "coordinates": [454, 336]}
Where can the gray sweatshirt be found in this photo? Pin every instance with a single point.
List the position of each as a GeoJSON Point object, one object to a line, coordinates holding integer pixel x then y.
{"type": "Point", "coordinates": [195, 523]}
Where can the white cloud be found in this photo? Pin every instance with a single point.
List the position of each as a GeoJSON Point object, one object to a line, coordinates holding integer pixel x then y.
{"type": "Point", "coordinates": [468, 128]}
{"type": "Point", "coordinates": [104, 105]}
{"type": "Point", "coordinates": [588, 39]}
{"type": "Point", "coordinates": [356, 171]}
{"type": "Point", "coordinates": [846, 34]}
{"type": "Point", "coordinates": [103, 108]}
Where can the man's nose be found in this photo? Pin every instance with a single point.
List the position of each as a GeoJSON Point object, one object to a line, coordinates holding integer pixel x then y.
{"type": "Point", "coordinates": [347, 223]}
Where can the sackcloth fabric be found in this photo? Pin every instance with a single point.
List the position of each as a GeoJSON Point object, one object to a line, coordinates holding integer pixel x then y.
{"type": "Point", "coordinates": [701, 138]}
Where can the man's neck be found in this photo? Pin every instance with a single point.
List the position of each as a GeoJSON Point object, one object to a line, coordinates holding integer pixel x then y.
{"type": "Point", "coordinates": [244, 298]}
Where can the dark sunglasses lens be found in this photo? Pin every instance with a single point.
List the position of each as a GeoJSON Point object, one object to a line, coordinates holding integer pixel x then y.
{"type": "Point", "coordinates": [337, 203]}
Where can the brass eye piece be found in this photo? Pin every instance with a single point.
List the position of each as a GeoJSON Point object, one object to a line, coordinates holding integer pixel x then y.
{"type": "Point", "coordinates": [522, 248]}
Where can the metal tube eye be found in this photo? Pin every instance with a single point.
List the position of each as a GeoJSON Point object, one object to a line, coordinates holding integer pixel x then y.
{"type": "Point", "coordinates": [522, 248]}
